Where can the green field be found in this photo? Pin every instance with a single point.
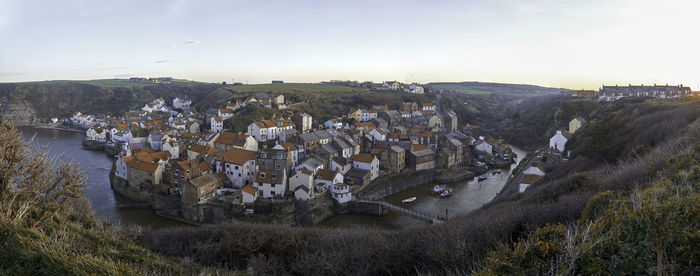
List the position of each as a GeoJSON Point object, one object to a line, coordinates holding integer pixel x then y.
{"type": "Point", "coordinates": [104, 82]}
{"type": "Point", "coordinates": [285, 87]}
{"type": "Point", "coordinates": [461, 88]}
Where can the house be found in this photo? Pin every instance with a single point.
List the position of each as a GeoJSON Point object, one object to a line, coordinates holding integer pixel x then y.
{"type": "Point", "coordinates": [367, 162]}
{"type": "Point", "coordinates": [250, 194]}
{"type": "Point", "coordinates": [339, 164]}
{"type": "Point", "coordinates": [217, 124]}
{"type": "Point", "coordinates": [267, 130]}
{"type": "Point", "coordinates": [196, 151]}
{"type": "Point", "coordinates": [575, 124]}
{"type": "Point", "coordinates": [302, 184]}
{"type": "Point", "coordinates": [171, 146]}
{"type": "Point", "coordinates": [333, 123]}
{"type": "Point", "coordinates": [528, 179]}
{"type": "Point", "coordinates": [229, 140]}
{"type": "Point", "coordinates": [435, 122]}
{"type": "Point", "coordinates": [416, 89]}
{"type": "Point", "coordinates": [356, 115]}
{"type": "Point", "coordinates": [144, 174]}
{"type": "Point", "coordinates": [311, 164]}
{"type": "Point", "coordinates": [428, 108]}
{"type": "Point", "coordinates": [446, 158]}
{"type": "Point", "coordinates": [421, 159]}
{"type": "Point", "coordinates": [391, 85]}
{"type": "Point", "coordinates": [379, 134]}
{"type": "Point", "coordinates": [200, 189]}
{"type": "Point", "coordinates": [271, 183]}
{"type": "Point", "coordinates": [357, 177]}
{"type": "Point", "coordinates": [483, 147]}
{"type": "Point", "coordinates": [325, 179]}
{"type": "Point", "coordinates": [558, 141]}
{"type": "Point", "coordinates": [450, 120]}
{"type": "Point", "coordinates": [238, 165]}
{"type": "Point", "coordinates": [225, 113]}
{"type": "Point", "coordinates": [341, 192]}
{"type": "Point", "coordinates": [120, 169]}
{"type": "Point", "coordinates": [275, 158]}
{"type": "Point", "coordinates": [303, 122]}
{"type": "Point", "coordinates": [96, 134]}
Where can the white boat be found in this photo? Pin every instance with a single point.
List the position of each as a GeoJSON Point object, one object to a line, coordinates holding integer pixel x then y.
{"type": "Point", "coordinates": [409, 200]}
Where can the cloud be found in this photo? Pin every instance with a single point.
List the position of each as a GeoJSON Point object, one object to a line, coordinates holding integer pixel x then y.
{"type": "Point", "coordinates": [192, 42]}
{"type": "Point", "coordinates": [164, 61]}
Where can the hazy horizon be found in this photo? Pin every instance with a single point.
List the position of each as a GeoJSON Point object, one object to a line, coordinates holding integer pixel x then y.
{"type": "Point", "coordinates": [566, 44]}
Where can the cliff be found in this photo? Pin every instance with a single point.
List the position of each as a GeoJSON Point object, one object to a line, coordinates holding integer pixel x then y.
{"type": "Point", "coordinates": [34, 103]}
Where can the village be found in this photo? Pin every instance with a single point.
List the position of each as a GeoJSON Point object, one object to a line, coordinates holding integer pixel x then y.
{"type": "Point", "coordinates": [182, 162]}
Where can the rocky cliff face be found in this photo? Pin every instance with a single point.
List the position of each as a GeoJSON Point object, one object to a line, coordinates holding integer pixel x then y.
{"type": "Point", "coordinates": [35, 103]}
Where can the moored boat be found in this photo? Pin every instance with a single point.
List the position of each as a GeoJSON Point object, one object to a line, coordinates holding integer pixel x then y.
{"type": "Point", "coordinates": [483, 177]}
{"type": "Point", "coordinates": [408, 200]}
{"type": "Point", "coordinates": [438, 189]}
{"type": "Point", "coordinates": [446, 193]}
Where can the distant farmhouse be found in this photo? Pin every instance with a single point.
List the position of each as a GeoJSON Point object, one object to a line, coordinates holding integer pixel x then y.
{"type": "Point", "coordinates": [152, 80]}
{"type": "Point", "coordinates": [410, 88]}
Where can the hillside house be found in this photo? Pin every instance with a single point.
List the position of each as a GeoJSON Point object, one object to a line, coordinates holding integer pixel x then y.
{"type": "Point", "coordinates": [271, 183]}
{"type": "Point", "coordinates": [238, 165]}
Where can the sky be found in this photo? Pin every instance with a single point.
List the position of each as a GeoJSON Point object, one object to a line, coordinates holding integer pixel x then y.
{"type": "Point", "coordinates": [557, 43]}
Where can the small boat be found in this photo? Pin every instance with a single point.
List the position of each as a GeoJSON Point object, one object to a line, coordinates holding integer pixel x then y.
{"type": "Point", "coordinates": [496, 172]}
{"type": "Point", "coordinates": [446, 193]}
{"type": "Point", "coordinates": [438, 189]}
{"type": "Point", "coordinates": [483, 177]}
{"type": "Point", "coordinates": [409, 200]}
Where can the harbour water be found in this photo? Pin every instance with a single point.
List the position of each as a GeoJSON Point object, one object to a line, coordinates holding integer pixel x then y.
{"type": "Point", "coordinates": [468, 196]}
{"type": "Point", "coordinates": [96, 164]}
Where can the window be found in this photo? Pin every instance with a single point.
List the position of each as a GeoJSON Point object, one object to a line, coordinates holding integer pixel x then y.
{"type": "Point", "coordinates": [239, 175]}
{"type": "Point", "coordinates": [274, 176]}
{"type": "Point", "coordinates": [235, 167]}
{"type": "Point", "coordinates": [262, 174]}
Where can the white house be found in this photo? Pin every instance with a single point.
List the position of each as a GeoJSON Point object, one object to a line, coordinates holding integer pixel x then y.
{"type": "Point", "coordinates": [325, 179]}
{"type": "Point", "coordinates": [366, 162]}
{"type": "Point", "coordinates": [310, 164]}
{"type": "Point", "coordinates": [123, 136]}
{"type": "Point", "coordinates": [575, 124]}
{"type": "Point", "coordinates": [302, 184]}
{"type": "Point", "coordinates": [416, 89]}
{"type": "Point", "coordinates": [271, 183]}
{"type": "Point", "coordinates": [225, 113]}
{"type": "Point", "coordinates": [558, 141]}
{"type": "Point", "coordinates": [172, 146]}
{"type": "Point", "coordinates": [391, 85]}
{"type": "Point", "coordinates": [238, 165]}
{"type": "Point", "coordinates": [379, 134]}
{"type": "Point", "coordinates": [217, 124]}
{"type": "Point", "coordinates": [249, 194]}
{"type": "Point", "coordinates": [484, 147]}
{"type": "Point", "coordinates": [120, 169]}
{"type": "Point", "coordinates": [268, 130]}
{"type": "Point", "coordinates": [96, 134]}
{"type": "Point", "coordinates": [341, 192]}
{"type": "Point", "coordinates": [333, 123]}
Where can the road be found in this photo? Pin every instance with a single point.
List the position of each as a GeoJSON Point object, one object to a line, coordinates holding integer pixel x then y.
{"type": "Point", "coordinates": [513, 187]}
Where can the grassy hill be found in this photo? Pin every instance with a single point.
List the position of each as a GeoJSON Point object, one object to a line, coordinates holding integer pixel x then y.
{"type": "Point", "coordinates": [320, 100]}
{"type": "Point", "coordinates": [487, 88]}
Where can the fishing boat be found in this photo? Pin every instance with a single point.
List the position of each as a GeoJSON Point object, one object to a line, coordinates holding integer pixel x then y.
{"type": "Point", "coordinates": [438, 189]}
{"type": "Point", "coordinates": [496, 172]}
{"type": "Point", "coordinates": [483, 177]}
{"type": "Point", "coordinates": [446, 193]}
{"type": "Point", "coordinates": [409, 200]}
